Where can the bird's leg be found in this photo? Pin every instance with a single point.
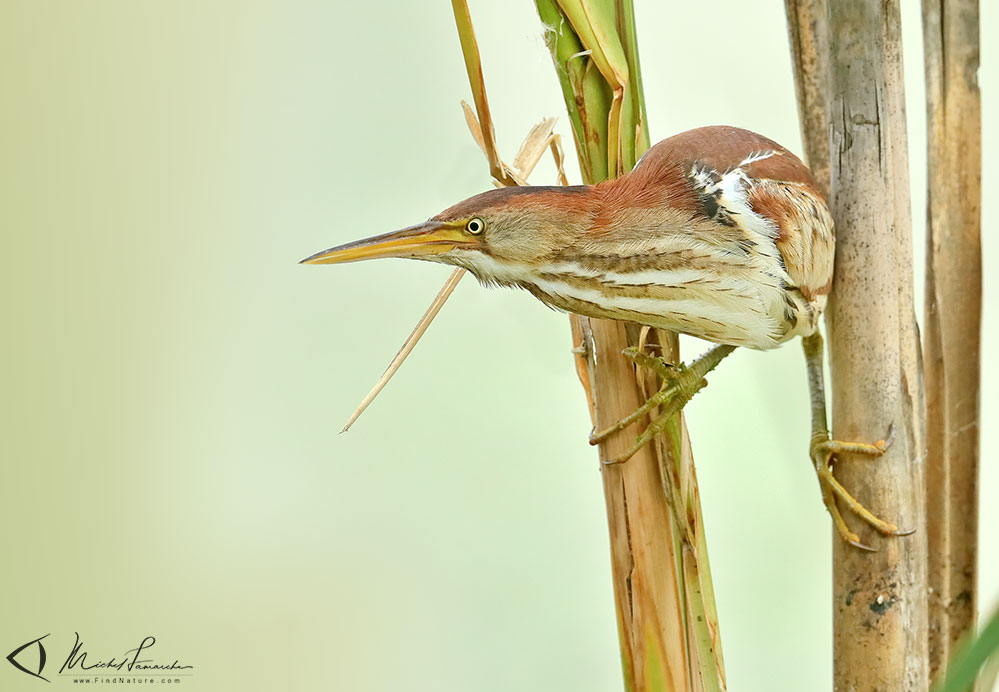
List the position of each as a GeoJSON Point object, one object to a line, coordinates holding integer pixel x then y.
{"type": "Point", "coordinates": [680, 384]}
{"type": "Point", "coordinates": [823, 449]}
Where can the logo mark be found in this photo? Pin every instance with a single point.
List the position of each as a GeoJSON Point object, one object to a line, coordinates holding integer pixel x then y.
{"type": "Point", "coordinates": [12, 657]}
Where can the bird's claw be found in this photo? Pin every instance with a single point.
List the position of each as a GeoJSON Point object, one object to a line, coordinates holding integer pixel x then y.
{"type": "Point", "coordinates": [829, 448]}
{"type": "Point", "coordinates": [854, 540]}
{"type": "Point", "coordinates": [657, 364]}
{"type": "Point", "coordinates": [822, 453]}
{"type": "Point", "coordinates": [617, 460]}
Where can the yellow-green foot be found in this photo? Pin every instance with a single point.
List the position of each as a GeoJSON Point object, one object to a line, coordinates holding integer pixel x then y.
{"type": "Point", "coordinates": [822, 451]}
{"type": "Point", "coordinates": [680, 384]}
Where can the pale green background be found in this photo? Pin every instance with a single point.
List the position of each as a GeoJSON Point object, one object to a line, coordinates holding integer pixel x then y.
{"type": "Point", "coordinates": [173, 381]}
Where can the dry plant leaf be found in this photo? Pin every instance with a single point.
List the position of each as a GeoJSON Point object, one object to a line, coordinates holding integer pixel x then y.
{"type": "Point", "coordinates": [473, 127]}
{"type": "Point", "coordinates": [555, 145]}
{"type": "Point", "coordinates": [533, 147]}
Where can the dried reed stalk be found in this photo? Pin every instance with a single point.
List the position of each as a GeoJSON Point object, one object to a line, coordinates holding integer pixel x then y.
{"type": "Point", "coordinates": [407, 346]}
{"type": "Point", "coordinates": [809, 39]}
{"type": "Point", "coordinates": [879, 599]}
{"type": "Point", "coordinates": [667, 621]}
{"type": "Point", "coordinates": [666, 612]}
{"type": "Point", "coordinates": [953, 318]}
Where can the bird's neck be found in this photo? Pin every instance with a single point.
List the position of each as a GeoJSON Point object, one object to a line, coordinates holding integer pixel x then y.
{"type": "Point", "coordinates": [579, 229]}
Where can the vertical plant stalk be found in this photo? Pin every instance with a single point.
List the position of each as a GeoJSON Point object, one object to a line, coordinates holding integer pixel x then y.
{"type": "Point", "coordinates": [879, 599]}
{"type": "Point", "coordinates": [473, 67]}
{"type": "Point", "coordinates": [953, 317]}
{"type": "Point", "coordinates": [809, 40]}
{"type": "Point", "coordinates": [666, 615]}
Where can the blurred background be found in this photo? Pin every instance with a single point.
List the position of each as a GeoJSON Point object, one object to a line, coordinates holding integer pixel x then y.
{"type": "Point", "coordinates": [173, 381]}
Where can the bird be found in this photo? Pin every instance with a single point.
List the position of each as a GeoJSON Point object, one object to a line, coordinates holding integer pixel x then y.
{"type": "Point", "coordinates": [717, 232]}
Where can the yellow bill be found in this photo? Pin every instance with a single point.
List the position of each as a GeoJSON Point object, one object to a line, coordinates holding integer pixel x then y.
{"type": "Point", "coordinates": [415, 242]}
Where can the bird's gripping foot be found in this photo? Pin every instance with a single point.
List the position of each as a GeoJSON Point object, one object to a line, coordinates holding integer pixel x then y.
{"type": "Point", "coordinates": [822, 451]}
{"type": "Point", "coordinates": [680, 384]}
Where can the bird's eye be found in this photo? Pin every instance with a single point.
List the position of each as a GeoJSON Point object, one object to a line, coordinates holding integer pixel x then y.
{"type": "Point", "coordinates": [475, 226]}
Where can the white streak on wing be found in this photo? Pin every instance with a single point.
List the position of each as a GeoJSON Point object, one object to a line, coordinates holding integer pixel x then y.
{"type": "Point", "coordinates": [739, 286]}
{"type": "Point", "coordinates": [677, 243]}
{"type": "Point", "coordinates": [659, 277]}
{"type": "Point", "coordinates": [734, 308]}
{"type": "Point", "coordinates": [756, 156]}
{"type": "Point", "coordinates": [665, 277]}
{"type": "Point", "coordinates": [735, 198]}
{"type": "Point", "coordinates": [680, 314]}
{"type": "Point", "coordinates": [508, 272]}
{"type": "Point", "coordinates": [702, 179]}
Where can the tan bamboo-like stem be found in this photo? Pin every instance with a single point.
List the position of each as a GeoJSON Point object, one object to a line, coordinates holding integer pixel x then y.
{"type": "Point", "coordinates": [644, 560]}
{"type": "Point", "coordinates": [879, 599]}
{"type": "Point", "coordinates": [807, 33]}
{"type": "Point", "coordinates": [953, 317]}
{"type": "Point", "coordinates": [664, 599]}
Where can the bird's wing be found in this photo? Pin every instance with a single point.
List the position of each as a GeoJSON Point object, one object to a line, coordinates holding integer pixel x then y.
{"type": "Point", "coordinates": [744, 180]}
{"type": "Point", "coordinates": [805, 237]}
{"type": "Point", "coordinates": [721, 149]}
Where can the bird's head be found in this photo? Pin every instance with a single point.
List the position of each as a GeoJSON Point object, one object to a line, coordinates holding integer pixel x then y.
{"type": "Point", "coordinates": [497, 235]}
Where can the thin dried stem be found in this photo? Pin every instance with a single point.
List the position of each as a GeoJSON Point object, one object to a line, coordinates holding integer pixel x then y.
{"type": "Point", "coordinates": [807, 31]}
{"type": "Point", "coordinates": [953, 317]}
{"type": "Point", "coordinates": [473, 66]}
{"type": "Point", "coordinates": [408, 345]}
{"type": "Point", "coordinates": [555, 146]}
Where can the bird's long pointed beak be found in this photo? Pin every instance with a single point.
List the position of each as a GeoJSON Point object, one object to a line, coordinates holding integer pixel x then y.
{"type": "Point", "coordinates": [430, 238]}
